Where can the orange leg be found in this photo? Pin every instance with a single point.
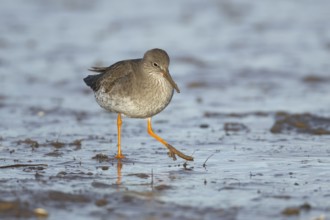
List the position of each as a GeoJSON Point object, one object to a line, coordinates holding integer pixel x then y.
{"type": "Point", "coordinates": [172, 151]}
{"type": "Point", "coordinates": [152, 134]}
{"type": "Point", "coordinates": [119, 123]}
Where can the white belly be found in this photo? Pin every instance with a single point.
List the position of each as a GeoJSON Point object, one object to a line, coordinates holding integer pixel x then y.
{"type": "Point", "coordinates": [143, 104]}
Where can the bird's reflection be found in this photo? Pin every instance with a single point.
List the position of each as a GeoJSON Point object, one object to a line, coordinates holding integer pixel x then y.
{"type": "Point", "coordinates": [119, 167]}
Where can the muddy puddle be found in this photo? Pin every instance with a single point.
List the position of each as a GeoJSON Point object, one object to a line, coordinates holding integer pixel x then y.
{"type": "Point", "coordinates": [253, 111]}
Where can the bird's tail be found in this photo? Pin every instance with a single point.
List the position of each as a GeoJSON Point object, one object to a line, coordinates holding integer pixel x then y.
{"type": "Point", "coordinates": [98, 69]}
{"type": "Point", "coordinates": [93, 82]}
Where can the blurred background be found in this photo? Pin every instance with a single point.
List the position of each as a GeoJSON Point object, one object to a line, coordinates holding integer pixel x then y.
{"type": "Point", "coordinates": [219, 43]}
{"type": "Point", "coordinates": [239, 64]}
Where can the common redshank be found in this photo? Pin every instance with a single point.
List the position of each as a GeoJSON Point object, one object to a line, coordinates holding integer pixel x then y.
{"type": "Point", "coordinates": [137, 88]}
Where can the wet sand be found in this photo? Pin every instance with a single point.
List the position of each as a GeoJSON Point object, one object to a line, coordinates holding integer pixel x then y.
{"type": "Point", "coordinates": [253, 111]}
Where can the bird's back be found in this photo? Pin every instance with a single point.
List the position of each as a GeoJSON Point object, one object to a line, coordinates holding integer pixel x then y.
{"type": "Point", "coordinates": [109, 75]}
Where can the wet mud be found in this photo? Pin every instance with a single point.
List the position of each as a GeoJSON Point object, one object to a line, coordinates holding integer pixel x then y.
{"type": "Point", "coordinates": [301, 123]}
{"type": "Point", "coordinates": [253, 111]}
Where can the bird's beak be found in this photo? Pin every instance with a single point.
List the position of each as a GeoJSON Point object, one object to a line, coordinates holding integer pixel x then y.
{"type": "Point", "coordinates": [168, 76]}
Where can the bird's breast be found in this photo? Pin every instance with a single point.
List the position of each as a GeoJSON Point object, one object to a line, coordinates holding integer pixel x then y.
{"type": "Point", "coordinates": [142, 100]}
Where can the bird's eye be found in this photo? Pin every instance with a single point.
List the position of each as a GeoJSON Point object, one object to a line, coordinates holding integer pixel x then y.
{"type": "Point", "coordinates": [155, 64]}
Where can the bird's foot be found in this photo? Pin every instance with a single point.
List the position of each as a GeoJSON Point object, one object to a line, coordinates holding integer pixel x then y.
{"type": "Point", "coordinates": [173, 151]}
{"type": "Point", "coordinates": [120, 156]}
{"type": "Point", "coordinates": [171, 154]}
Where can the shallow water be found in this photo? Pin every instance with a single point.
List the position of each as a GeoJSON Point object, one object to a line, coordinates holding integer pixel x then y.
{"type": "Point", "coordinates": [241, 67]}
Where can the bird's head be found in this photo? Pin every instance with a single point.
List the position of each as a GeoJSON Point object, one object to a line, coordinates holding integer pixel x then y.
{"type": "Point", "coordinates": [156, 61]}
